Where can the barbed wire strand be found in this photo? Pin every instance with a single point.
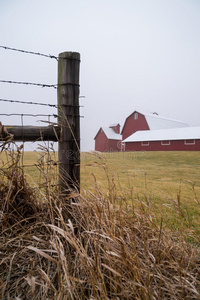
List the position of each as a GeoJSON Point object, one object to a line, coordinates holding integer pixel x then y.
{"type": "Point", "coordinates": [29, 52]}
{"type": "Point", "coordinates": [36, 103]}
{"type": "Point", "coordinates": [29, 115]}
{"type": "Point", "coordinates": [28, 102]}
{"type": "Point", "coordinates": [30, 83]}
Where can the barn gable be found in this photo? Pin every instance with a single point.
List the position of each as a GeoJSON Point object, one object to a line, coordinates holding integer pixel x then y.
{"type": "Point", "coordinates": [138, 121]}
{"type": "Point", "coordinates": [134, 122]}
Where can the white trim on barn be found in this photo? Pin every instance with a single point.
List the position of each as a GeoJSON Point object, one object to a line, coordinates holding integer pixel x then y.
{"type": "Point", "coordinates": [165, 143]}
{"type": "Point", "coordinates": [145, 143]}
{"type": "Point", "coordinates": [189, 142]}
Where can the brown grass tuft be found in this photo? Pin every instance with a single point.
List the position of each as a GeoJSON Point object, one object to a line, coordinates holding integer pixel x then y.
{"type": "Point", "coordinates": [57, 248]}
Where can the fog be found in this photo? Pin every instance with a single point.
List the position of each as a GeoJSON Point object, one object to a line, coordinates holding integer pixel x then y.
{"type": "Point", "coordinates": [135, 55]}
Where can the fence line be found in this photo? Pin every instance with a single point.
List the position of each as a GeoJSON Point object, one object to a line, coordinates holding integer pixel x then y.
{"type": "Point", "coordinates": [55, 86]}
{"type": "Point", "coordinates": [30, 83]}
{"type": "Point", "coordinates": [29, 102]}
{"type": "Point", "coordinates": [50, 162]}
{"type": "Point", "coordinates": [67, 133]}
{"type": "Point", "coordinates": [36, 103]}
{"type": "Point", "coordinates": [29, 52]}
{"type": "Point", "coordinates": [29, 115]}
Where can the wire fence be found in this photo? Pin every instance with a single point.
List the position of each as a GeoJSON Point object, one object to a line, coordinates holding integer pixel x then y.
{"type": "Point", "coordinates": [41, 163]}
{"type": "Point", "coordinates": [34, 103]}
{"type": "Point", "coordinates": [68, 116]}
{"type": "Point", "coordinates": [44, 160]}
{"type": "Point", "coordinates": [29, 115]}
{"type": "Point", "coordinates": [29, 52]}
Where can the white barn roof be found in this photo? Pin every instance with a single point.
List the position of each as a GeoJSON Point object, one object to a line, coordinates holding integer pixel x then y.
{"type": "Point", "coordinates": [187, 133]}
{"type": "Point", "coordinates": [111, 135]}
{"type": "Point", "coordinates": [115, 124]}
{"type": "Point", "coordinates": [158, 122]}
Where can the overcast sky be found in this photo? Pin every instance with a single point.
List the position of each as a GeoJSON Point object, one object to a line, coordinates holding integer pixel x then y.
{"type": "Point", "coordinates": [135, 55]}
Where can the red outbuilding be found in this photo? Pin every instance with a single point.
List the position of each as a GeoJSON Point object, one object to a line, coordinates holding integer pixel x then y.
{"type": "Point", "coordinates": [108, 139]}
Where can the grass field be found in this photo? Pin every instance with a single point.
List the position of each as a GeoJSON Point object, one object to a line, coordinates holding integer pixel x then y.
{"type": "Point", "coordinates": [133, 233]}
{"type": "Point", "coordinates": [168, 183]}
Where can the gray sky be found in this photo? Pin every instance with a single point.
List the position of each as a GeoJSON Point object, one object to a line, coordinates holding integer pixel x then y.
{"type": "Point", "coordinates": [135, 55]}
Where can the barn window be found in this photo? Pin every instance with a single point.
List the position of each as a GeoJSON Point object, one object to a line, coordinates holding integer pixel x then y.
{"type": "Point", "coordinates": [145, 143]}
{"type": "Point", "coordinates": [165, 143]}
{"type": "Point", "coordinates": [189, 142]}
{"type": "Point", "coordinates": [136, 116]}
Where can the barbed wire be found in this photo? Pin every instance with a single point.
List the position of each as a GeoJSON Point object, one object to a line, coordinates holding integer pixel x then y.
{"type": "Point", "coordinates": [29, 52]}
{"type": "Point", "coordinates": [55, 86]}
{"type": "Point", "coordinates": [36, 103]}
{"type": "Point", "coordinates": [29, 115]}
{"type": "Point", "coordinates": [30, 83]}
{"type": "Point", "coordinates": [29, 102]}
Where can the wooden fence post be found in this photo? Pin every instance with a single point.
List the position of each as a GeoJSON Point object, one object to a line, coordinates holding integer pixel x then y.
{"type": "Point", "coordinates": [69, 120]}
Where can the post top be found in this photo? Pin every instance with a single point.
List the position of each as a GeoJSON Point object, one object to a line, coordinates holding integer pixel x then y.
{"type": "Point", "coordinates": [70, 55]}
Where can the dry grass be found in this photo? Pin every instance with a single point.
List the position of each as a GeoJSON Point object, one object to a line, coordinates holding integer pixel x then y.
{"type": "Point", "coordinates": [88, 247]}
{"type": "Point", "coordinates": [168, 182]}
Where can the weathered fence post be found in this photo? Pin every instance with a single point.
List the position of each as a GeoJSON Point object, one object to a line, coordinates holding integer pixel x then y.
{"type": "Point", "coordinates": [69, 120]}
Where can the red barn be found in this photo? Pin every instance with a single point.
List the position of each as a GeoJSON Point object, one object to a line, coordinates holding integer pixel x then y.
{"type": "Point", "coordinates": [138, 121]}
{"type": "Point", "coordinates": [108, 139]}
{"type": "Point", "coordinates": [148, 132]}
{"type": "Point", "coordinates": [175, 139]}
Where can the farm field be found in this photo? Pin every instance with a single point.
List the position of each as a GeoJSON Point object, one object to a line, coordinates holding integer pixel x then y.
{"type": "Point", "coordinates": [133, 231]}
{"type": "Point", "coordinates": [167, 183]}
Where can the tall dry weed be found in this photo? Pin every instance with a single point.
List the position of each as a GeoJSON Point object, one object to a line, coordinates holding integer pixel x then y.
{"type": "Point", "coordinates": [88, 247]}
